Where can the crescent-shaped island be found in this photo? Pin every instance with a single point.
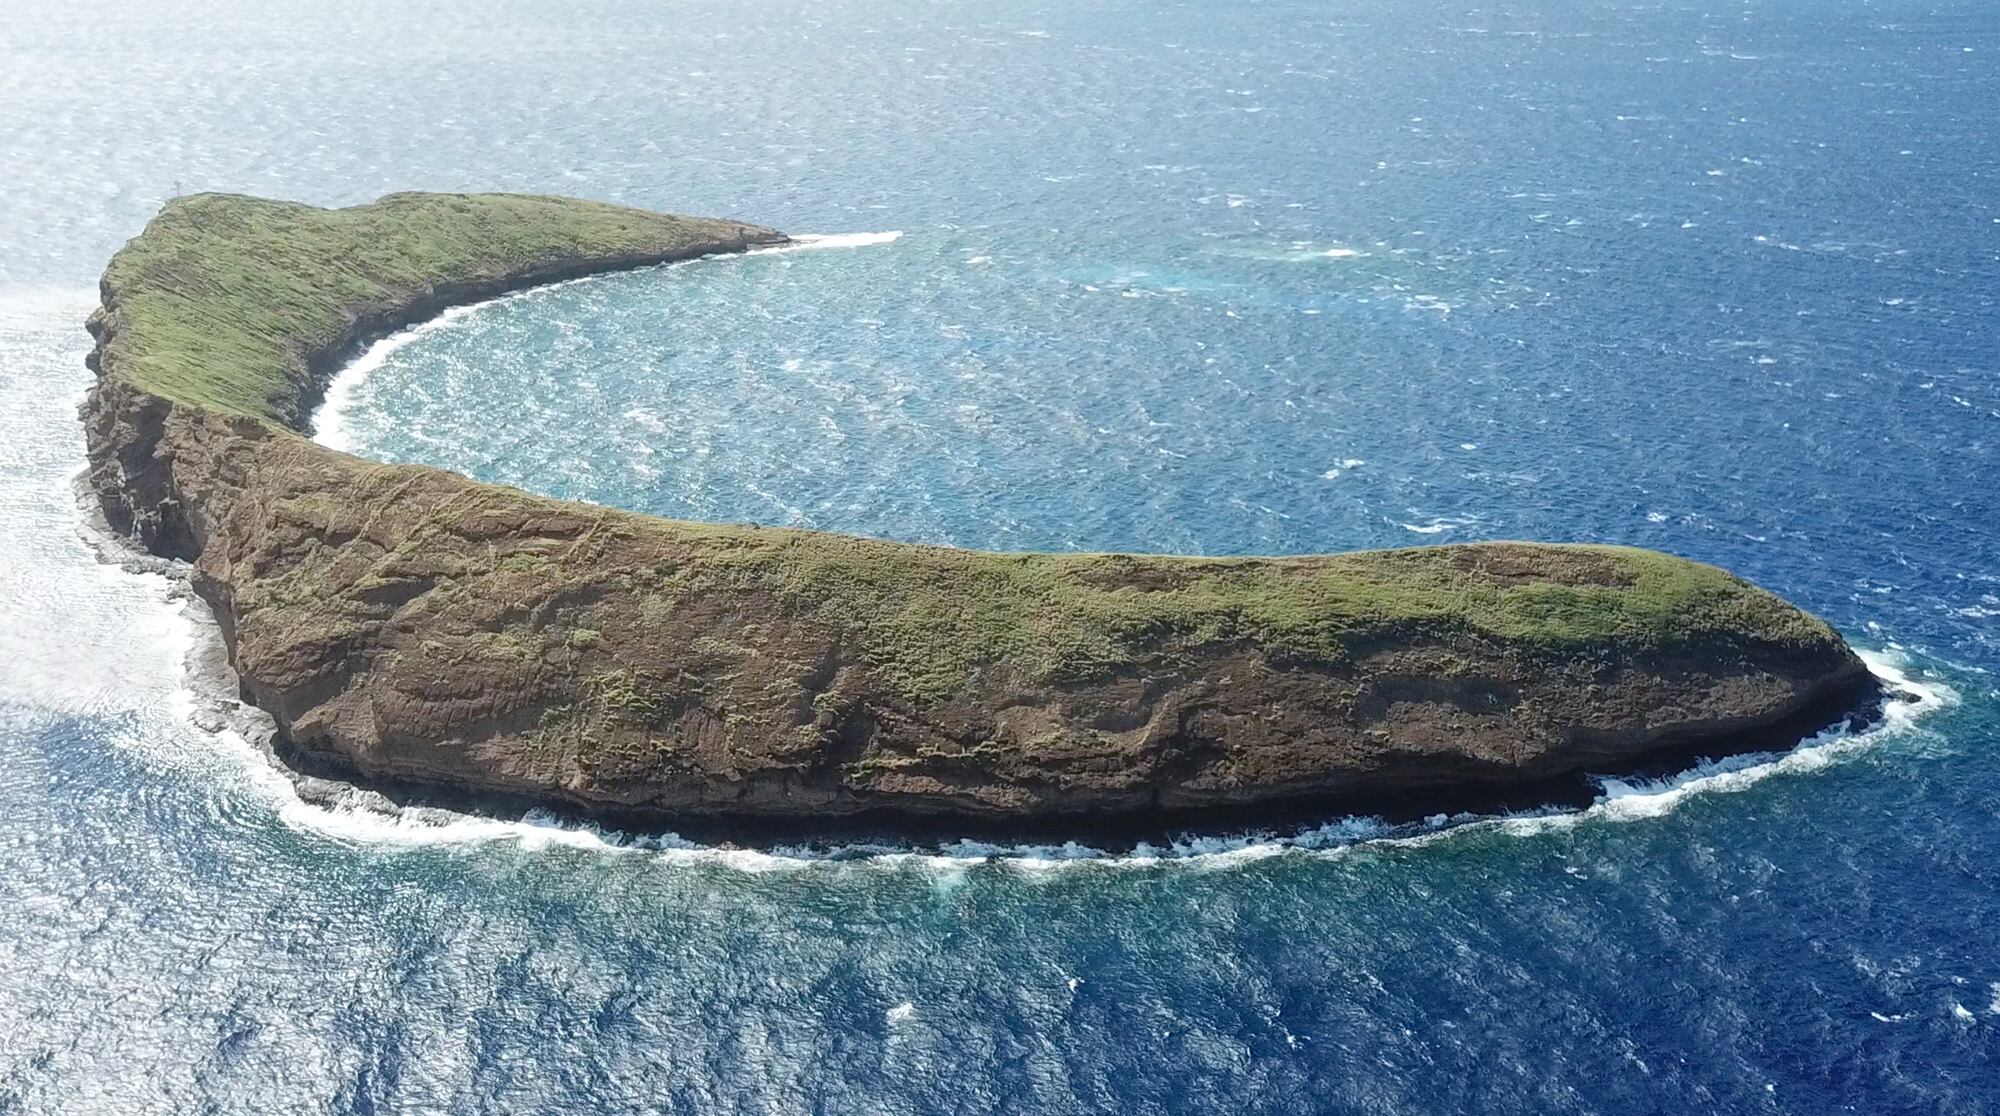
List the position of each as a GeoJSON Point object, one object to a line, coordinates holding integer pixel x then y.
{"type": "Point", "coordinates": [444, 639]}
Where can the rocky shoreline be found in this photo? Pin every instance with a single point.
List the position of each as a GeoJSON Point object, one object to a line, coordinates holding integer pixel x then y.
{"type": "Point", "coordinates": [446, 641]}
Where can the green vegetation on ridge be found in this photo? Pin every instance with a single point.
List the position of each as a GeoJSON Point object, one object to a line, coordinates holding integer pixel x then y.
{"type": "Point", "coordinates": [224, 298]}
{"type": "Point", "coordinates": [224, 302]}
{"type": "Point", "coordinates": [932, 615]}
{"type": "Point", "coordinates": [928, 617]}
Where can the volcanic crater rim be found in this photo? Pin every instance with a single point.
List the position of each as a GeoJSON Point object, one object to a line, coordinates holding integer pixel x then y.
{"type": "Point", "coordinates": [417, 628]}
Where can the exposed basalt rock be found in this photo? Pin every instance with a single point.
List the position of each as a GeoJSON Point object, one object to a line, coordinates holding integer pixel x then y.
{"type": "Point", "coordinates": [417, 628]}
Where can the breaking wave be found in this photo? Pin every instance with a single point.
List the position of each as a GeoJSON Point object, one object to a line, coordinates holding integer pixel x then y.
{"type": "Point", "coordinates": [804, 242]}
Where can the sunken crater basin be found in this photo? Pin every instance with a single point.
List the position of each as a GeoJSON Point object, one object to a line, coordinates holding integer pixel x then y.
{"type": "Point", "coordinates": [417, 630]}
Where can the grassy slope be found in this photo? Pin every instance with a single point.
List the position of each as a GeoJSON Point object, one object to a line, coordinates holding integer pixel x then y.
{"type": "Point", "coordinates": [223, 296]}
{"type": "Point", "coordinates": [222, 299]}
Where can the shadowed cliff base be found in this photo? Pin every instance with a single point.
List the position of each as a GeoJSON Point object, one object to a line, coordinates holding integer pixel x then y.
{"type": "Point", "coordinates": [416, 629]}
{"type": "Point", "coordinates": [327, 781]}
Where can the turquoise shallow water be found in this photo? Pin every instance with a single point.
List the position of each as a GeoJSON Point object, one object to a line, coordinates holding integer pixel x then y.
{"type": "Point", "coordinates": [1272, 277]}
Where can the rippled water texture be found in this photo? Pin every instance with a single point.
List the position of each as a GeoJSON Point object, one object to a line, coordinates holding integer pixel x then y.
{"type": "Point", "coordinates": [1273, 277]}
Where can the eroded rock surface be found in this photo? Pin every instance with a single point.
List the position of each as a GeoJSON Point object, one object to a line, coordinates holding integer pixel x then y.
{"type": "Point", "coordinates": [416, 627]}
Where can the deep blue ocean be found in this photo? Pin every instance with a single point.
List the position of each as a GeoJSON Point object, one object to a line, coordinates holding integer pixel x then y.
{"type": "Point", "coordinates": [1721, 278]}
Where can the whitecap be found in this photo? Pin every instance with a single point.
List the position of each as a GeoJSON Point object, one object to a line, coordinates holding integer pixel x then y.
{"type": "Point", "coordinates": [805, 242]}
{"type": "Point", "coordinates": [643, 417]}
{"type": "Point", "coordinates": [1439, 524]}
{"type": "Point", "coordinates": [1622, 799]}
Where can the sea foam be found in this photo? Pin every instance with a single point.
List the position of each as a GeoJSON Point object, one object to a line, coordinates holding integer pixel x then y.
{"type": "Point", "coordinates": [362, 819]}
{"type": "Point", "coordinates": [808, 241]}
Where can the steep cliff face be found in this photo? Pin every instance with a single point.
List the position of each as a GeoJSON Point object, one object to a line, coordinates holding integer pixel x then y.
{"type": "Point", "coordinates": [418, 628]}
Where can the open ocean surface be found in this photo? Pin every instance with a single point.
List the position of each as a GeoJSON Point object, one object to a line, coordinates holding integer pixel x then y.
{"type": "Point", "coordinates": [1721, 278]}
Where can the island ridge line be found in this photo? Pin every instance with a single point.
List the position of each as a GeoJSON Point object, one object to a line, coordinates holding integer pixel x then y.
{"type": "Point", "coordinates": [415, 629]}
